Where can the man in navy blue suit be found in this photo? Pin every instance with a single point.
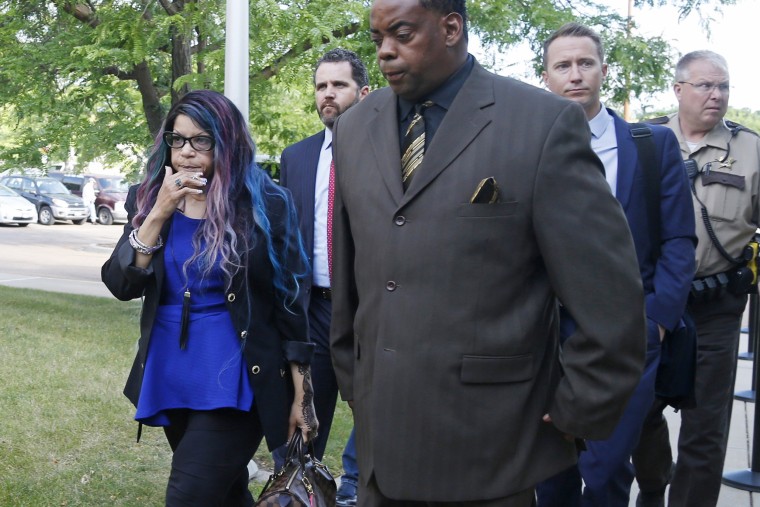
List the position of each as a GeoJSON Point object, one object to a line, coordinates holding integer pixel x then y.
{"type": "Point", "coordinates": [340, 81]}
{"type": "Point", "coordinates": [574, 68]}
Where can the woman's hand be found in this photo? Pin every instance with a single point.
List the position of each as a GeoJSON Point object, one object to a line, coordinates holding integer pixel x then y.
{"type": "Point", "coordinates": [302, 414]}
{"type": "Point", "coordinates": [175, 187]}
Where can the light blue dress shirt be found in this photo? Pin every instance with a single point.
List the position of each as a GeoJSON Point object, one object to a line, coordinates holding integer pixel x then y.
{"type": "Point", "coordinates": [604, 144]}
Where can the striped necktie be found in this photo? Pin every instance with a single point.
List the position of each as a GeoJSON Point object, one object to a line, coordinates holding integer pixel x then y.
{"type": "Point", "coordinates": [413, 148]}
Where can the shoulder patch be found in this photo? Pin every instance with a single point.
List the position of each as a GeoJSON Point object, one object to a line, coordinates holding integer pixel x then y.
{"type": "Point", "coordinates": [660, 120]}
{"type": "Point", "coordinates": [737, 127]}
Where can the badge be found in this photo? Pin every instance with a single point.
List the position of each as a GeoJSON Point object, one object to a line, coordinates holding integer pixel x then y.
{"type": "Point", "coordinates": [726, 164]}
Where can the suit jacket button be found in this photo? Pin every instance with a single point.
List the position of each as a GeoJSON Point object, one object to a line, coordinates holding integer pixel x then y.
{"type": "Point", "coordinates": [231, 297]}
{"type": "Point", "coordinates": [400, 220]}
{"type": "Point", "coordinates": [243, 335]}
{"type": "Point", "coordinates": [255, 369]}
{"type": "Point", "coordinates": [390, 286]}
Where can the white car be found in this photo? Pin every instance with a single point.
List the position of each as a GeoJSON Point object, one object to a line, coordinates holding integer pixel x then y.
{"type": "Point", "coordinates": [14, 209]}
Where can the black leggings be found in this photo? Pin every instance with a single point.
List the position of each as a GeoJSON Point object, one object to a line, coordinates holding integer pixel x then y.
{"type": "Point", "coordinates": [211, 453]}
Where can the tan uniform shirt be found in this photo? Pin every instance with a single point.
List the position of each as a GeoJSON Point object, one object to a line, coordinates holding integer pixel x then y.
{"type": "Point", "coordinates": [734, 211]}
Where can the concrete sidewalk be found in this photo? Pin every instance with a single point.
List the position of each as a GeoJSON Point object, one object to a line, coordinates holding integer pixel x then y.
{"type": "Point", "coordinates": [739, 454]}
{"type": "Point", "coordinates": [56, 284]}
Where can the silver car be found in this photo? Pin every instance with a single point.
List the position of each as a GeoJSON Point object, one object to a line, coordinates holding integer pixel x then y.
{"type": "Point", "coordinates": [52, 200]}
{"type": "Point", "coordinates": [14, 209]}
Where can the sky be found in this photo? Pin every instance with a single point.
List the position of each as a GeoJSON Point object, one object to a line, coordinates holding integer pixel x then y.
{"type": "Point", "coordinates": [733, 34]}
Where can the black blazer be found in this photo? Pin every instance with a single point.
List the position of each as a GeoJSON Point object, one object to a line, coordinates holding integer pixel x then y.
{"type": "Point", "coordinates": [273, 335]}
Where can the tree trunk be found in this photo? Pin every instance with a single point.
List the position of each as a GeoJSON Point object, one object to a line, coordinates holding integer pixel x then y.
{"type": "Point", "coordinates": [150, 98]}
{"type": "Point", "coordinates": [181, 63]}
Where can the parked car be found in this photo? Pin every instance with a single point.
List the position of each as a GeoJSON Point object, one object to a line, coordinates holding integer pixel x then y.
{"type": "Point", "coordinates": [52, 200]}
{"type": "Point", "coordinates": [14, 209]}
{"type": "Point", "coordinates": [111, 193]}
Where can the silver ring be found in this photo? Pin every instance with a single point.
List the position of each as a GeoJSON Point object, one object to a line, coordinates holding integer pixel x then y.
{"type": "Point", "coordinates": [178, 182]}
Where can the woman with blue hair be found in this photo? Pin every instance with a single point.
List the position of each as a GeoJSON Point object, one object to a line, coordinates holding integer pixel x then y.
{"type": "Point", "coordinates": [212, 246]}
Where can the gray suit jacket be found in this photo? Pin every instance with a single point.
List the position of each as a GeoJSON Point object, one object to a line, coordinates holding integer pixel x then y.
{"type": "Point", "coordinates": [444, 330]}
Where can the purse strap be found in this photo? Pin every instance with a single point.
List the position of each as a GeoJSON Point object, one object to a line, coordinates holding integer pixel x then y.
{"type": "Point", "coordinates": [297, 449]}
{"type": "Point", "coordinates": [294, 457]}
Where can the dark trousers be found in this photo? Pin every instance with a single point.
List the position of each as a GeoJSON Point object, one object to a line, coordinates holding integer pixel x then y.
{"type": "Point", "coordinates": [652, 459]}
{"type": "Point", "coordinates": [322, 372]}
{"type": "Point", "coordinates": [371, 496]}
{"type": "Point", "coordinates": [704, 428]}
{"type": "Point", "coordinates": [322, 376]}
{"type": "Point", "coordinates": [605, 465]}
{"type": "Point", "coordinates": [211, 453]}
{"type": "Point", "coordinates": [350, 478]}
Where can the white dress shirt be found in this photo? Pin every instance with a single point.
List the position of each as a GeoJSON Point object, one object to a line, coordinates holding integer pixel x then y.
{"type": "Point", "coordinates": [320, 269]}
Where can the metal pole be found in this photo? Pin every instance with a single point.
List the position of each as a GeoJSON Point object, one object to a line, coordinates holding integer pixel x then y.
{"type": "Point", "coordinates": [752, 332]}
{"type": "Point", "coordinates": [236, 55]}
{"type": "Point", "coordinates": [750, 354]}
{"type": "Point", "coordinates": [749, 479]}
{"type": "Point", "coordinates": [627, 116]}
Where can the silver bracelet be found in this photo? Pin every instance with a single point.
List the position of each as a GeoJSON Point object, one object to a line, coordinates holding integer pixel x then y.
{"type": "Point", "coordinates": [142, 247]}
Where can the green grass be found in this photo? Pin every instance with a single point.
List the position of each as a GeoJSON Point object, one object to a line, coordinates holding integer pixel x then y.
{"type": "Point", "coordinates": [67, 434]}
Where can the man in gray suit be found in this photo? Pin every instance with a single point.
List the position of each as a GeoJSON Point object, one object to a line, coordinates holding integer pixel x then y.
{"type": "Point", "coordinates": [466, 206]}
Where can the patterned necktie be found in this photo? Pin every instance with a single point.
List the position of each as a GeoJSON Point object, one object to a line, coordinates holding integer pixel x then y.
{"type": "Point", "coordinates": [413, 148]}
{"type": "Point", "coordinates": [330, 204]}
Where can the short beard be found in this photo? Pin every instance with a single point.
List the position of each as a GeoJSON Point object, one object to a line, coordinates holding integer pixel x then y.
{"type": "Point", "coordinates": [329, 122]}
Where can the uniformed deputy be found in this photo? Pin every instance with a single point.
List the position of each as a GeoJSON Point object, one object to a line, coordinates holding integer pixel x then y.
{"type": "Point", "coordinates": [723, 160]}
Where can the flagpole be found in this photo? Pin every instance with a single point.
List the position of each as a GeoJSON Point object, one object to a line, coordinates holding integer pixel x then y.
{"type": "Point", "coordinates": [236, 55]}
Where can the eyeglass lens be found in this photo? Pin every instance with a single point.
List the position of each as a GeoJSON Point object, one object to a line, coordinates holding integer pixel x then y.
{"type": "Point", "coordinates": [709, 87]}
{"type": "Point", "coordinates": [200, 143]}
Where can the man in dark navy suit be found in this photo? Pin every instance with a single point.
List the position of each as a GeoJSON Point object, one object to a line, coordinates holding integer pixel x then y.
{"type": "Point", "coordinates": [574, 68]}
{"type": "Point", "coordinates": [340, 81]}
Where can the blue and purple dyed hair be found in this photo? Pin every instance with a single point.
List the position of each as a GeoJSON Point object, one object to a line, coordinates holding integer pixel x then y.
{"type": "Point", "coordinates": [235, 178]}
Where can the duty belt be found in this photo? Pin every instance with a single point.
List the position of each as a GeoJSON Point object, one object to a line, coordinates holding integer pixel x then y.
{"type": "Point", "coordinates": [708, 288]}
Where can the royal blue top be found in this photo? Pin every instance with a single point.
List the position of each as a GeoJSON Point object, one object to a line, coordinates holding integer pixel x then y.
{"type": "Point", "coordinates": [210, 372]}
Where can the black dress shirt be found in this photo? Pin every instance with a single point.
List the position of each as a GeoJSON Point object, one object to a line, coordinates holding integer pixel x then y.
{"type": "Point", "coordinates": [442, 97]}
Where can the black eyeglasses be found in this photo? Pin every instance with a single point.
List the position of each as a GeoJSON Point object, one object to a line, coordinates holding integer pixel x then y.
{"type": "Point", "coordinates": [199, 143]}
{"type": "Point", "coordinates": [708, 87]}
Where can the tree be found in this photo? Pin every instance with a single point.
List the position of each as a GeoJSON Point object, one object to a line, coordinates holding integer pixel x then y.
{"type": "Point", "coordinates": [702, 8]}
{"type": "Point", "coordinates": [625, 51]}
{"type": "Point", "coordinates": [95, 77]}
{"type": "Point", "coordinates": [748, 118]}
{"type": "Point", "coordinates": [87, 77]}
